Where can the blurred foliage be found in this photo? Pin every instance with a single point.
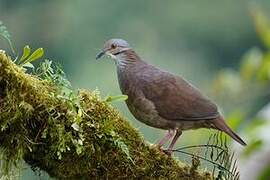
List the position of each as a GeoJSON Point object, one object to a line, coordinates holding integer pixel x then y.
{"type": "Point", "coordinates": [5, 34]}
{"type": "Point", "coordinates": [265, 174]}
{"type": "Point", "coordinates": [262, 25]}
{"type": "Point", "coordinates": [247, 89]}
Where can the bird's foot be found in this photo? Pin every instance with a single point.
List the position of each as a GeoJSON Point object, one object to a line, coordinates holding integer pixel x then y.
{"type": "Point", "coordinates": [164, 151]}
{"type": "Point", "coordinates": [168, 152]}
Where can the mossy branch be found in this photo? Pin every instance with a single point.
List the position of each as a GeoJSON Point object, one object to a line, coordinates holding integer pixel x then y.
{"type": "Point", "coordinates": [92, 142]}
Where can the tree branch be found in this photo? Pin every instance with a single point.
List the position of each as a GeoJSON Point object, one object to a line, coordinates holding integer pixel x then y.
{"type": "Point", "coordinates": [88, 140]}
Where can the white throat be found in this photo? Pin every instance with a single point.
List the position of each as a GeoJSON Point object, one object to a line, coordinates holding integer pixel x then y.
{"type": "Point", "coordinates": [120, 59]}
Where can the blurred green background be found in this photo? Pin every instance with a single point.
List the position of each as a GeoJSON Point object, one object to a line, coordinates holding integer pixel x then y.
{"type": "Point", "coordinates": [220, 46]}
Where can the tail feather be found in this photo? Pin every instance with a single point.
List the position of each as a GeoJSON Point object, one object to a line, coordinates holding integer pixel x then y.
{"type": "Point", "coordinates": [220, 124]}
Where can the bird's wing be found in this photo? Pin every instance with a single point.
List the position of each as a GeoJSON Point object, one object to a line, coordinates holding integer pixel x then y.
{"type": "Point", "coordinates": [174, 98]}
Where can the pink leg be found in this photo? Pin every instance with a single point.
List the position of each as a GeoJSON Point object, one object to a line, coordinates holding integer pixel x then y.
{"type": "Point", "coordinates": [167, 136]}
{"type": "Point", "coordinates": [177, 135]}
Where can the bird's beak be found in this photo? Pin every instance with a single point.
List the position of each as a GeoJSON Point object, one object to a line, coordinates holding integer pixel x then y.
{"type": "Point", "coordinates": [99, 55]}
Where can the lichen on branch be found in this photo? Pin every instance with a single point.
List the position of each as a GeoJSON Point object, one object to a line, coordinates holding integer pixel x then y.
{"type": "Point", "coordinates": [82, 138]}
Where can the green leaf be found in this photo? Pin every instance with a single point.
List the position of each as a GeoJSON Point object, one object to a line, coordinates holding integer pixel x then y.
{"type": "Point", "coordinates": [26, 53]}
{"type": "Point", "coordinates": [28, 65]}
{"type": "Point", "coordinates": [116, 98]}
{"type": "Point", "coordinates": [124, 148]}
{"type": "Point", "coordinates": [36, 55]}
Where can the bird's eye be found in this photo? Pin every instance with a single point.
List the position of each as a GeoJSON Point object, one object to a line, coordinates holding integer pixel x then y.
{"type": "Point", "coordinates": [113, 46]}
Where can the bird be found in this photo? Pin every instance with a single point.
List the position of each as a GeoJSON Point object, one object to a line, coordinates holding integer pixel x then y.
{"type": "Point", "coordinates": [161, 99]}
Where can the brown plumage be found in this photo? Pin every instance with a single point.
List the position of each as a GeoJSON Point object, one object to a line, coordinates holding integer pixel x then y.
{"type": "Point", "coordinates": [161, 99]}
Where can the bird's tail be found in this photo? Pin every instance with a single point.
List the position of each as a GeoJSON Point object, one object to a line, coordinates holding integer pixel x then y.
{"type": "Point", "coordinates": [220, 124]}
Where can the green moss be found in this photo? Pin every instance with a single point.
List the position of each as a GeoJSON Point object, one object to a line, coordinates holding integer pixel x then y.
{"type": "Point", "coordinates": [90, 142]}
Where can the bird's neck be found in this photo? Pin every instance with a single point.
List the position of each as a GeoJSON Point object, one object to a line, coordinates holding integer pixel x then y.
{"type": "Point", "coordinates": [127, 59]}
{"type": "Point", "coordinates": [127, 64]}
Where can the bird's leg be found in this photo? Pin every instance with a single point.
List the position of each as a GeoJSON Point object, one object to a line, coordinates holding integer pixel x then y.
{"type": "Point", "coordinates": [167, 136]}
{"type": "Point", "coordinates": [177, 135]}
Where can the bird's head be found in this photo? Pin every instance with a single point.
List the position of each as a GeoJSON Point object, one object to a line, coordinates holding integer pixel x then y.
{"type": "Point", "coordinates": [114, 48]}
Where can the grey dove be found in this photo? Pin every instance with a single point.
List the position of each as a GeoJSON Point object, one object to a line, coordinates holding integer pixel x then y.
{"type": "Point", "coordinates": [161, 99]}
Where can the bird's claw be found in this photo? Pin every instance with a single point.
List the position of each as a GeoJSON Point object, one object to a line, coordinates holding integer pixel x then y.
{"type": "Point", "coordinates": [165, 151]}
{"type": "Point", "coordinates": [168, 152]}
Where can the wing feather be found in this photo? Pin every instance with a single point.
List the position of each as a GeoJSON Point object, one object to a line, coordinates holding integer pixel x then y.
{"type": "Point", "coordinates": [174, 98]}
